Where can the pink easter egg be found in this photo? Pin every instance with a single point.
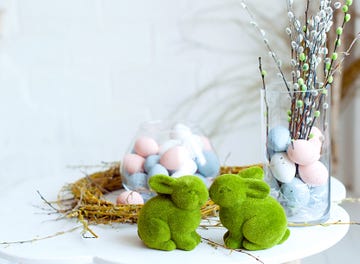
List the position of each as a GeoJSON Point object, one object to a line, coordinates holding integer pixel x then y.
{"type": "Point", "coordinates": [315, 174]}
{"type": "Point", "coordinates": [174, 158]}
{"type": "Point", "coordinates": [303, 152]}
{"type": "Point", "coordinates": [206, 143]}
{"type": "Point", "coordinates": [146, 146]}
{"type": "Point", "coordinates": [129, 197]}
{"type": "Point", "coordinates": [133, 163]}
{"type": "Point", "coordinates": [317, 137]}
{"type": "Point", "coordinates": [316, 132]}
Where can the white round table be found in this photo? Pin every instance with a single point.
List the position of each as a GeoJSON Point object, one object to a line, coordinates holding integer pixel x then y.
{"type": "Point", "coordinates": [24, 216]}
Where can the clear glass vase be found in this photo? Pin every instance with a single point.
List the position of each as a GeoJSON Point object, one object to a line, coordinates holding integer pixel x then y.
{"type": "Point", "coordinates": [297, 151]}
{"type": "Point", "coordinates": [171, 148]}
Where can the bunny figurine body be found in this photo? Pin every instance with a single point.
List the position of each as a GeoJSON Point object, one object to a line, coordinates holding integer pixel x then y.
{"type": "Point", "coordinates": [169, 220]}
{"type": "Point", "coordinates": [253, 218]}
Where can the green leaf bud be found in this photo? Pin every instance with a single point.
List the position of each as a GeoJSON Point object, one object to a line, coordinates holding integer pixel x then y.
{"type": "Point", "coordinates": [330, 79]}
{"type": "Point", "coordinates": [345, 8]}
{"type": "Point", "coordinates": [349, 2]}
{"type": "Point", "coordinates": [317, 113]}
{"type": "Point", "coordinates": [299, 103]}
{"type": "Point", "coordinates": [339, 31]}
{"type": "Point", "coordinates": [302, 56]}
{"type": "Point", "coordinates": [334, 56]}
{"type": "Point", "coordinates": [327, 66]}
{"type": "Point", "coordinates": [338, 42]}
{"type": "Point", "coordinates": [305, 67]}
{"type": "Point", "coordinates": [347, 17]}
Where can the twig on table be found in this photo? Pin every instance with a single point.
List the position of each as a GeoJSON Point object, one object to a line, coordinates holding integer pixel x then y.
{"type": "Point", "coordinates": [216, 245]}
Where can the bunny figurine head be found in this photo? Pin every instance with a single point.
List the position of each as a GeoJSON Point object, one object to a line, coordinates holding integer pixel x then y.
{"type": "Point", "coordinates": [254, 219]}
{"type": "Point", "coordinates": [187, 192]}
{"type": "Point", "coordinates": [169, 220]}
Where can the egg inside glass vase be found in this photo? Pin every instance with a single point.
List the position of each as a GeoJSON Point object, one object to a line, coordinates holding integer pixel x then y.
{"type": "Point", "coordinates": [169, 148]}
{"type": "Point", "coordinates": [297, 151]}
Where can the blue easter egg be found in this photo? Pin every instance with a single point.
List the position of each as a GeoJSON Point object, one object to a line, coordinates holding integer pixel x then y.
{"type": "Point", "coordinates": [279, 138]}
{"type": "Point", "coordinates": [158, 169]}
{"type": "Point", "coordinates": [137, 181]}
{"type": "Point", "coordinates": [150, 162]}
{"type": "Point", "coordinates": [319, 195]}
{"type": "Point", "coordinates": [211, 166]}
{"type": "Point", "coordinates": [295, 193]}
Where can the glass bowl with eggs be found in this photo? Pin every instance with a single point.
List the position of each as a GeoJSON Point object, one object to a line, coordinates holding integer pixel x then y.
{"type": "Point", "coordinates": [169, 148]}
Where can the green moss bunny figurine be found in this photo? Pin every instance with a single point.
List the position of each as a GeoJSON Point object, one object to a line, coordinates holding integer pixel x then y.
{"type": "Point", "coordinates": [253, 218]}
{"type": "Point", "coordinates": [169, 220]}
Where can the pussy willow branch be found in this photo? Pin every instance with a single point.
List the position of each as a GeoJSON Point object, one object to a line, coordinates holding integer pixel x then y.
{"type": "Point", "coordinates": [215, 244]}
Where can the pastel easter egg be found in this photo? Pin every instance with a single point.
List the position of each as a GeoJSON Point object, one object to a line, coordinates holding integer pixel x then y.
{"type": "Point", "coordinates": [279, 138]}
{"type": "Point", "coordinates": [319, 197]}
{"type": "Point", "coordinates": [206, 145]}
{"type": "Point", "coordinates": [137, 181]}
{"type": "Point", "coordinates": [316, 133]}
{"type": "Point", "coordinates": [295, 193]}
{"type": "Point", "coordinates": [180, 131]}
{"type": "Point", "coordinates": [150, 162]}
{"type": "Point", "coordinates": [303, 152]}
{"type": "Point", "coordinates": [129, 197]}
{"type": "Point", "coordinates": [211, 167]}
{"type": "Point", "coordinates": [174, 158]}
{"type": "Point", "coordinates": [165, 146]}
{"type": "Point", "coordinates": [145, 146]}
{"type": "Point", "coordinates": [179, 173]}
{"type": "Point", "coordinates": [194, 146]}
{"type": "Point", "coordinates": [189, 167]}
{"type": "Point", "coordinates": [158, 169]}
{"type": "Point", "coordinates": [133, 163]}
{"type": "Point", "coordinates": [315, 174]}
{"type": "Point", "coordinates": [316, 137]}
{"type": "Point", "coordinates": [282, 168]}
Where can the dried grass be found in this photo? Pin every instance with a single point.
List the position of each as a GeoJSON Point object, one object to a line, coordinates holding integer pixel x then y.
{"type": "Point", "coordinates": [84, 199]}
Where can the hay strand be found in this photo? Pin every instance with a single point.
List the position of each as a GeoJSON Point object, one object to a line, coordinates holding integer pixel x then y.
{"type": "Point", "coordinates": [84, 199]}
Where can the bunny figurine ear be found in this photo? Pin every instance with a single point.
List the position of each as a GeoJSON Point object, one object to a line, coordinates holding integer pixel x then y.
{"type": "Point", "coordinates": [162, 183]}
{"type": "Point", "coordinates": [257, 189]}
{"type": "Point", "coordinates": [254, 172]}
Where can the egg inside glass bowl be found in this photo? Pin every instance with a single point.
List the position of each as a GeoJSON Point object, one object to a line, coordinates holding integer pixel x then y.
{"type": "Point", "coordinates": [170, 148]}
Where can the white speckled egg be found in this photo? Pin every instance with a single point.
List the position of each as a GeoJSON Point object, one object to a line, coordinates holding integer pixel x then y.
{"type": "Point", "coordinates": [282, 168]}
{"type": "Point", "coordinates": [303, 152]}
{"type": "Point", "coordinates": [174, 158]}
{"type": "Point", "coordinates": [315, 174]}
{"type": "Point", "coordinates": [146, 146]}
{"type": "Point", "coordinates": [129, 197]}
{"type": "Point", "coordinates": [133, 163]}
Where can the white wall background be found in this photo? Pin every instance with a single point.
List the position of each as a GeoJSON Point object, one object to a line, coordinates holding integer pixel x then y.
{"type": "Point", "coordinates": [78, 76]}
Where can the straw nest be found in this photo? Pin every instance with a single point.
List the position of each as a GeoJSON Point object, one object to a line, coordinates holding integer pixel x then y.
{"type": "Point", "coordinates": [85, 199]}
